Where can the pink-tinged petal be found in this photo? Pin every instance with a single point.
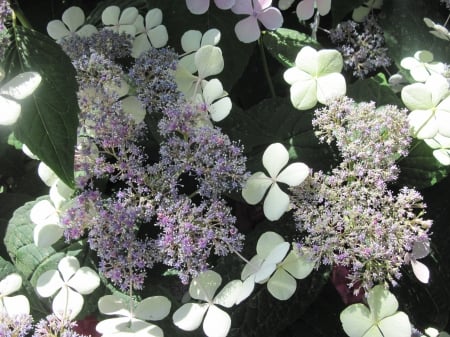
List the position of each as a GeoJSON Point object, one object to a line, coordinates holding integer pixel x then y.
{"type": "Point", "coordinates": [57, 30]}
{"type": "Point", "coordinates": [243, 7]}
{"type": "Point", "coordinates": [153, 18]}
{"type": "Point", "coordinates": [68, 266]}
{"type": "Point", "coordinates": [217, 322]}
{"type": "Point", "coordinates": [158, 36]}
{"type": "Point", "coordinates": [73, 17]}
{"type": "Point", "coordinates": [85, 281]}
{"type": "Point", "coordinates": [128, 16]}
{"type": "Point", "coordinates": [305, 9]}
{"type": "Point", "coordinates": [49, 283]}
{"type": "Point", "coordinates": [276, 203]}
{"type": "Point", "coordinates": [285, 4]}
{"type": "Point", "coordinates": [87, 30]}
{"type": "Point", "coordinates": [15, 305]}
{"type": "Point", "coordinates": [421, 271]}
{"type": "Point", "coordinates": [255, 188]}
{"type": "Point", "coordinates": [67, 303]}
{"type": "Point", "coordinates": [260, 5]}
{"type": "Point", "coordinates": [281, 285]}
{"type": "Point", "coordinates": [294, 174]}
{"type": "Point", "coordinates": [275, 157]}
{"type": "Point", "coordinates": [224, 4]}
{"type": "Point", "coordinates": [190, 316]}
{"type": "Point", "coordinates": [197, 7]}
{"type": "Point", "coordinates": [324, 7]}
{"type": "Point", "coordinates": [153, 308]}
{"type": "Point", "coordinates": [247, 30]}
{"type": "Point", "coordinates": [110, 15]}
{"type": "Point", "coordinates": [10, 284]}
{"type": "Point", "coordinates": [271, 18]}
{"type": "Point", "coordinates": [204, 286]}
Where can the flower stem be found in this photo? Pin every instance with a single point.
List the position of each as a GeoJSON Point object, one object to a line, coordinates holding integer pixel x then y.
{"type": "Point", "coordinates": [266, 67]}
{"type": "Point", "coordinates": [17, 13]}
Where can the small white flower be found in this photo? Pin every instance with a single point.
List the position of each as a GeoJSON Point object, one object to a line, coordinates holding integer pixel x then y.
{"type": "Point", "coordinates": [441, 148]}
{"type": "Point", "coordinates": [381, 318]}
{"type": "Point", "coordinates": [214, 100]}
{"type": "Point", "coordinates": [72, 23]}
{"type": "Point", "coordinates": [151, 35]}
{"type": "Point", "coordinates": [18, 88]}
{"type": "Point", "coordinates": [421, 66]}
{"type": "Point", "coordinates": [420, 250]}
{"type": "Point", "coordinates": [438, 30]}
{"type": "Point", "coordinates": [70, 281]}
{"type": "Point", "coordinates": [360, 13]}
{"type": "Point", "coordinates": [191, 41]}
{"type": "Point", "coordinates": [120, 22]}
{"type": "Point", "coordinates": [315, 77]}
{"type": "Point", "coordinates": [133, 320]}
{"type": "Point", "coordinates": [12, 305]}
{"type": "Point", "coordinates": [275, 157]}
{"type": "Point", "coordinates": [217, 322]}
{"type": "Point", "coordinates": [429, 103]}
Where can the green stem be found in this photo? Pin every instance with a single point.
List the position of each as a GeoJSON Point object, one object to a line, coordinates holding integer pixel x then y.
{"type": "Point", "coordinates": [266, 67]}
{"type": "Point", "coordinates": [17, 13]}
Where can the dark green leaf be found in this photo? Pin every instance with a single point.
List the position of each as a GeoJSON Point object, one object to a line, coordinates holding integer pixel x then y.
{"type": "Point", "coordinates": [420, 168]}
{"type": "Point", "coordinates": [374, 89]}
{"type": "Point", "coordinates": [49, 119]}
{"type": "Point", "coordinates": [342, 8]}
{"type": "Point", "coordinates": [284, 44]}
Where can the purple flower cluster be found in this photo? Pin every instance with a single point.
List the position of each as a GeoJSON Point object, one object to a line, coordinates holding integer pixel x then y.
{"type": "Point", "coordinates": [53, 326]}
{"type": "Point", "coordinates": [361, 45]}
{"type": "Point", "coordinates": [15, 326]}
{"type": "Point", "coordinates": [5, 14]}
{"type": "Point", "coordinates": [349, 217]}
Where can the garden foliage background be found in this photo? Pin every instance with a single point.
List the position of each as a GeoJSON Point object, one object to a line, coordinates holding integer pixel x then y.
{"type": "Point", "coordinates": [257, 119]}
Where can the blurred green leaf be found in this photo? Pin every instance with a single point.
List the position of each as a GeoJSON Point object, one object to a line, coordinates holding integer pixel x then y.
{"type": "Point", "coordinates": [49, 119]}
{"type": "Point", "coordinates": [340, 9]}
{"type": "Point", "coordinates": [374, 89]}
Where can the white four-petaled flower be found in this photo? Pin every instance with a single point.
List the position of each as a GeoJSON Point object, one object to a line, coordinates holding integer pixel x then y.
{"type": "Point", "coordinates": [71, 282]}
{"type": "Point", "coordinates": [72, 23]}
{"type": "Point", "coordinates": [151, 35]}
{"type": "Point", "coordinates": [421, 66]}
{"type": "Point", "coordinates": [120, 22]}
{"type": "Point", "coordinates": [275, 157]}
{"type": "Point", "coordinates": [12, 305]}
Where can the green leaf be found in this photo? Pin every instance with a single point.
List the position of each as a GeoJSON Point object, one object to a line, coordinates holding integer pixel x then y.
{"type": "Point", "coordinates": [276, 120]}
{"type": "Point", "coordinates": [49, 118]}
{"type": "Point", "coordinates": [341, 8]}
{"type": "Point", "coordinates": [284, 44]}
{"type": "Point", "coordinates": [420, 169]}
{"type": "Point", "coordinates": [32, 261]}
{"type": "Point", "coordinates": [375, 89]}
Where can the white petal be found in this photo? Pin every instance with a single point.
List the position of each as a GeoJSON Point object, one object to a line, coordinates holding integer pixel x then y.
{"type": "Point", "coordinates": [46, 174]}
{"type": "Point", "coordinates": [188, 62]}
{"type": "Point", "coordinates": [228, 295]}
{"type": "Point", "coordinates": [294, 174]}
{"type": "Point", "coordinates": [153, 18]}
{"type": "Point", "coordinates": [417, 96]}
{"type": "Point", "coordinates": [276, 203]}
{"type": "Point", "coordinates": [67, 303]}
{"type": "Point", "coordinates": [247, 30]}
{"type": "Point", "coordinates": [140, 45]}
{"type": "Point", "coordinates": [275, 157]}
{"type": "Point", "coordinates": [397, 325]}
{"type": "Point", "coordinates": [255, 188]}
{"type": "Point", "coordinates": [410, 63]}
{"type": "Point", "coordinates": [45, 235]}
{"type": "Point", "coordinates": [190, 41]}
{"type": "Point", "coordinates": [212, 90]}
{"type": "Point", "coordinates": [186, 82]}
{"type": "Point", "coordinates": [442, 156]}
{"type": "Point", "coordinates": [382, 303]}
{"type": "Point", "coordinates": [189, 316]}
{"type": "Point", "coordinates": [153, 308]}
{"type": "Point", "coordinates": [128, 16]}
{"type": "Point", "coordinates": [294, 74]}
{"type": "Point", "coordinates": [87, 31]}
{"type": "Point", "coordinates": [330, 87]}
{"type": "Point", "coordinates": [305, 9]}
{"type": "Point", "coordinates": [113, 305]}
{"type": "Point", "coordinates": [204, 286]}
{"type": "Point", "coordinates": [420, 74]}
{"type": "Point", "coordinates": [68, 266]}
{"type": "Point", "coordinates": [298, 266]}
{"type": "Point", "coordinates": [43, 213]}
{"type": "Point", "coordinates": [266, 270]}
{"type": "Point", "coordinates": [57, 30]}
{"type": "Point", "coordinates": [28, 152]}
{"type": "Point", "coordinates": [252, 267]}
{"type": "Point", "coordinates": [127, 29]}
{"type": "Point", "coordinates": [110, 15]}
{"type": "Point", "coordinates": [306, 60]}
{"type": "Point", "coordinates": [246, 290]}
{"type": "Point", "coordinates": [303, 94]}
{"type": "Point", "coordinates": [73, 17]}
{"type": "Point", "coordinates": [285, 4]}
{"type": "Point", "coordinates": [421, 271]}
{"type": "Point", "coordinates": [59, 193]}
{"type": "Point", "coordinates": [278, 253]}
{"type": "Point", "coordinates": [217, 322]}
{"type": "Point", "coordinates": [49, 283]}
{"type": "Point", "coordinates": [209, 61]}
{"type": "Point", "coordinates": [9, 111]}
{"type": "Point", "coordinates": [443, 117]}
{"type": "Point", "coordinates": [421, 249]}
{"type": "Point", "coordinates": [22, 85]}
{"type": "Point", "coordinates": [329, 61]}
{"type": "Point", "coordinates": [158, 36]}
{"type": "Point", "coordinates": [356, 320]}
{"type": "Point", "coordinates": [85, 281]}
{"type": "Point", "coordinates": [438, 86]}
{"type": "Point", "coordinates": [220, 109]}
{"type": "Point", "coordinates": [211, 37]}
{"type": "Point", "coordinates": [360, 13]}
{"type": "Point", "coordinates": [16, 305]}
{"type": "Point", "coordinates": [267, 242]}
{"type": "Point", "coordinates": [423, 124]}
{"type": "Point", "coordinates": [10, 284]}
{"type": "Point", "coordinates": [132, 106]}
{"type": "Point", "coordinates": [281, 285]}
